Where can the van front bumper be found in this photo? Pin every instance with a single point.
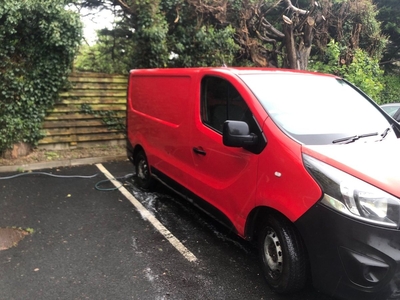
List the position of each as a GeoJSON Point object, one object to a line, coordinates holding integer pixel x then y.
{"type": "Point", "coordinates": [350, 259]}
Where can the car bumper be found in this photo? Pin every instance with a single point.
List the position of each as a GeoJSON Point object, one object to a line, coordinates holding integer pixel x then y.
{"type": "Point", "coordinates": [350, 259]}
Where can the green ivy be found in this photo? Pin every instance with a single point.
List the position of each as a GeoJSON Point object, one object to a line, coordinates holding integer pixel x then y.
{"type": "Point", "coordinates": [38, 40]}
{"type": "Point", "coordinates": [108, 117]}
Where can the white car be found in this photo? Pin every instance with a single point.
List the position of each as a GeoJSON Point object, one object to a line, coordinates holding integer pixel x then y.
{"type": "Point", "coordinates": [393, 110]}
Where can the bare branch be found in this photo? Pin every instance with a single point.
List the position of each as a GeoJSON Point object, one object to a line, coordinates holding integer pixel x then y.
{"type": "Point", "coordinates": [287, 20]}
{"type": "Point", "coordinates": [295, 9]}
{"type": "Point", "coordinates": [125, 7]}
{"type": "Point", "coordinates": [265, 38]}
{"type": "Point", "coordinates": [217, 8]}
{"type": "Point", "coordinates": [274, 32]}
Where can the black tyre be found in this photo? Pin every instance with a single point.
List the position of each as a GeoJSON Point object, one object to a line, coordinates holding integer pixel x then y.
{"type": "Point", "coordinates": [282, 254]}
{"type": "Point", "coordinates": [143, 175]}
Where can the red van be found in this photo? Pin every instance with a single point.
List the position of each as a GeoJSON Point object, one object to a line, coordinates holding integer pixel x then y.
{"type": "Point", "coordinates": [304, 164]}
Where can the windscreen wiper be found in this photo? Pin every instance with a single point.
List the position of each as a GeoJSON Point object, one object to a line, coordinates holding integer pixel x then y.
{"type": "Point", "coordinates": [385, 133]}
{"type": "Point", "coordinates": [353, 138]}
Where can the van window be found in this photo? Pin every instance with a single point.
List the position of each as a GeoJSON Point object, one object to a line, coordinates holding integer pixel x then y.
{"type": "Point", "coordinates": [317, 110]}
{"type": "Point", "coordinates": [220, 101]}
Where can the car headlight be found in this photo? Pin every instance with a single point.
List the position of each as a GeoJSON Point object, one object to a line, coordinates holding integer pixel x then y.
{"type": "Point", "coordinates": [354, 197]}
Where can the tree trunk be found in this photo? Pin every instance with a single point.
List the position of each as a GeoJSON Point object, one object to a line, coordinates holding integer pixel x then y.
{"type": "Point", "coordinates": [303, 56]}
{"type": "Point", "coordinates": [18, 150]}
{"type": "Point", "coordinates": [290, 46]}
{"type": "Point", "coordinates": [305, 44]}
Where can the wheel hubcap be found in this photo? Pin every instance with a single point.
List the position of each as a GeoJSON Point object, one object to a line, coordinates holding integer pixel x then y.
{"type": "Point", "coordinates": [142, 170]}
{"type": "Point", "coordinates": [273, 252]}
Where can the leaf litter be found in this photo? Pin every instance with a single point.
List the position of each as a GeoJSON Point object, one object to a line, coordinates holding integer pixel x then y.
{"type": "Point", "coordinates": [10, 237]}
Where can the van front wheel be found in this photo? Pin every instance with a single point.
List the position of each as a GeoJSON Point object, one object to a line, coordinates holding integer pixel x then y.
{"type": "Point", "coordinates": [143, 176]}
{"type": "Point", "coordinates": [282, 255]}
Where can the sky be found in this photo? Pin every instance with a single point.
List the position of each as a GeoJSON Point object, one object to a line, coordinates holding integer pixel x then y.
{"type": "Point", "coordinates": [95, 20]}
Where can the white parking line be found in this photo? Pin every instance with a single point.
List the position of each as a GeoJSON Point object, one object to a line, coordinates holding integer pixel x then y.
{"type": "Point", "coordinates": [148, 216]}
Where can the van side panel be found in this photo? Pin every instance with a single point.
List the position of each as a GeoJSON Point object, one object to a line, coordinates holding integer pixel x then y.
{"type": "Point", "coordinates": [160, 98]}
{"type": "Point", "coordinates": [283, 182]}
{"type": "Point", "coordinates": [224, 176]}
{"type": "Point", "coordinates": [159, 109]}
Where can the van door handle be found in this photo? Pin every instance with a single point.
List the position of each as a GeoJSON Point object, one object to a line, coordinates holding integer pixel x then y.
{"type": "Point", "coordinates": [199, 151]}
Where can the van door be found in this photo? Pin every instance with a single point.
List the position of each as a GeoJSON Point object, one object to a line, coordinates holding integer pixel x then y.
{"type": "Point", "coordinates": [222, 176]}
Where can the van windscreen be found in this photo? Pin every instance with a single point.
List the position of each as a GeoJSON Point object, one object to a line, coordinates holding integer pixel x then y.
{"type": "Point", "coordinates": [315, 109]}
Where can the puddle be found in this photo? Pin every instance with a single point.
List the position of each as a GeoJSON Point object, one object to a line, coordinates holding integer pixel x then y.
{"type": "Point", "coordinates": [168, 207]}
{"type": "Point", "coordinates": [10, 237]}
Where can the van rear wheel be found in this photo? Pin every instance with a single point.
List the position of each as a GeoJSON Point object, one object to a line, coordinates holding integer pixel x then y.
{"type": "Point", "coordinates": [282, 255]}
{"type": "Point", "coordinates": [142, 168]}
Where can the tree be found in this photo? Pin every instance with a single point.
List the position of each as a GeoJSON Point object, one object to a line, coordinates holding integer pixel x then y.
{"type": "Point", "coordinates": [355, 26]}
{"type": "Point", "coordinates": [246, 32]}
{"type": "Point", "coordinates": [38, 40]}
{"type": "Point", "coordinates": [389, 15]}
{"type": "Point", "coordinates": [113, 53]}
{"type": "Point", "coordinates": [363, 70]}
{"type": "Point", "coordinates": [276, 33]}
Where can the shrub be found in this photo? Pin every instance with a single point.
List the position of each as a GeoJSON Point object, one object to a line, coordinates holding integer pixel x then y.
{"type": "Point", "coordinates": [391, 92]}
{"type": "Point", "coordinates": [363, 71]}
{"type": "Point", "coordinates": [38, 40]}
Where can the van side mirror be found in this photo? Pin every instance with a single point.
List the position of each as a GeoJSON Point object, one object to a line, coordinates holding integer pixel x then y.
{"type": "Point", "coordinates": [237, 134]}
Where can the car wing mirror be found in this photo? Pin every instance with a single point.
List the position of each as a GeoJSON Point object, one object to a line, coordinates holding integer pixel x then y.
{"type": "Point", "coordinates": [237, 134]}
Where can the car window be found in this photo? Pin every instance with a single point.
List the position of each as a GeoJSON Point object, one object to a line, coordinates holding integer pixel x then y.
{"type": "Point", "coordinates": [390, 109]}
{"type": "Point", "coordinates": [316, 109]}
{"type": "Point", "coordinates": [396, 115]}
{"type": "Point", "coordinates": [220, 101]}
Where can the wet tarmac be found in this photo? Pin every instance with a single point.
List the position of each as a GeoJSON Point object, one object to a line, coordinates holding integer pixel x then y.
{"type": "Point", "coordinates": [89, 242]}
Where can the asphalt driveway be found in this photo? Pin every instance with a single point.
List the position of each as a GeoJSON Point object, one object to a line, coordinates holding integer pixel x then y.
{"type": "Point", "coordinates": [83, 241]}
{"type": "Point", "coordinates": [91, 244]}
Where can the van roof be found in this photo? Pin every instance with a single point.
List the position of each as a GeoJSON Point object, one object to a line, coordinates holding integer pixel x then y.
{"type": "Point", "coordinates": [234, 70]}
{"type": "Point", "coordinates": [241, 71]}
